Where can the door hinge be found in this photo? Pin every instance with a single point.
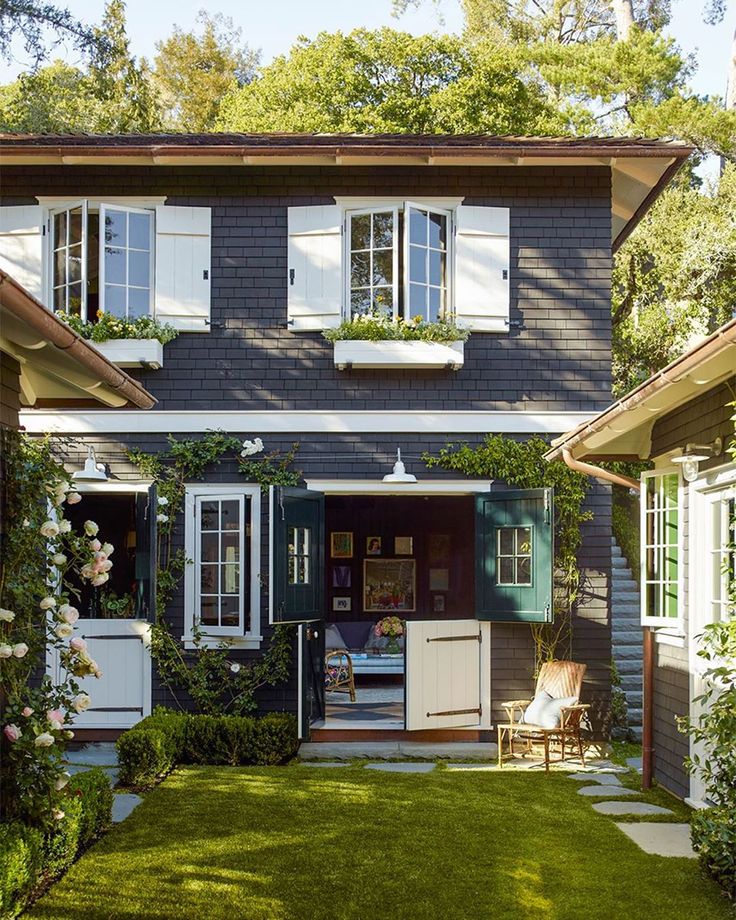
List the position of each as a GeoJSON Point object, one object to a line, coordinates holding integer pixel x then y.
{"type": "Point", "coordinates": [292, 275]}
{"type": "Point", "coordinates": [546, 506]}
{"type": "Point", "coordinates": [456, 712]}
{"type": "Point", "coordinates": [471, 638]}
{"type": "Point", "coordinates": [547, 611]}
{"type": "Point", "coordinates": [206, 274]}
{"type": "Point", "coordinates": [505, 274]}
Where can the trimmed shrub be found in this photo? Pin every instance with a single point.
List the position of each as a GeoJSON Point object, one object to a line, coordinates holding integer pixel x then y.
{"type": "Point", "coordinates": [218, 740]}
{"type": "Point", "coordinates": [61, 843]}
{"type": "Point", "coordinates": [144, 754]}
{"type": "Point", "coordinates": [92, 788]}
{"type": "Point", "coordinates": [713, 832]}
{"type": "Point", "coordinates": [21, 863]}
{"type": "Point", "coordinates": [276, 739]}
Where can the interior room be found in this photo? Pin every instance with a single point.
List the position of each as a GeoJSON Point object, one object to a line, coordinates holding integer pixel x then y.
{"type": "Point", "coordinates": [389, 558]}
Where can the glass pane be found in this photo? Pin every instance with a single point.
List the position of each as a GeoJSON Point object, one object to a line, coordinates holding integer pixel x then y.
{"type": "Point", "coordinates": [209, 611]}
{"type": "Point", "coordinates": [230, 543]}
{"type": "Point", "coordinates": [139, 301]}
{"type": "Point", "coordinates": [435, 304]}
{"type": "Point", "coordinates": [506, 541]}
{"type": "Point", "coordinates": [383, 230]}
{"type": "Point", "coordinates": [303, 570]}
{"type": "Point", "coordinates": [74, 264]}
{"type": "Point", "coordinates": [139, 231]}
{"type": "Point", "coordinates": [114, 265]}
{"type": "Point", "coordinates": [75, 226]}
{"type": "Point", "coordinates": [208, 579]}
{"type": "Point", "coordinates": [60, 229]}
{"type": "Point", "coordinates": [437, 223]}
{"type": "Point", "coordinates": [523, 540]}
{"type": "Point", "coordinates": [524, 571]}
{"type": "Point", "coordinates": [60, 267]}
{"type": "Point", "coordinates": [292, 570]}
{"type": "Point", "coordinates": [383, 299]}
{"type": "Point", "coordinates": [209, 547]}
{"type": "Point", "coordinates": [230, 579]}
{"type": "Point", "coordinates": [383, 266]}
{"type": "Point", "coordinates": [436, 267]}
{"type": "Point", "coordinates": [116, 225]}
{"type": "Point", "coordinates": [417, 299]}
{"type": "Point", "coordinates": [417, 226]}
{"type": "Point", "coordinates": [139, 265]}
{"type": "Point", "coordinates": [417, 264]}
{"type": "Point", "coordinates": [75, 298]}
{"type": "Point", "coordinates": [360, 301]}
{"type": "Point", "coordinates": [360, 231]}
{"type": "Point", "coordinates": [506, 571]}
{"type": "Point", "coordinates": [60, 299]}
{"type": "Point", "coordinates": [209, 511]}
{"type": "Point", "coordinates": [360, 269]}
{"type": "Point", "coordinates": [115, 300]}
{"type": "Point", "coordinates": [230, 516]}
{"type": "Point", "coordinates": [230, 611]}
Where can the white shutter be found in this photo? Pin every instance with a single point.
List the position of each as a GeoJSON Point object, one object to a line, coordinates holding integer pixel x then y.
{"type": "Point", "coordinates": [482, 268]}
{"type": "Point", "coordinates": [183, 265]}
{"type": "Point", "coordinates": [21, 246]}
{"type": "Point", "coordinates": [314, 279]}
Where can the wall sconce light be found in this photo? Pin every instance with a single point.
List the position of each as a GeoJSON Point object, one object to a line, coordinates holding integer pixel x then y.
{"type": "Point", "coordinates": [694, 455]}
{"type": "Point", "coordinates": [399, 474]}
{"type": "Point", "coordinates": [93, 471]}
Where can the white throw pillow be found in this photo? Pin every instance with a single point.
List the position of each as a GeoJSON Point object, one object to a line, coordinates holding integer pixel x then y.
{"type": "Point", "coordinates": [333, 637]}
{"type": "Point", "coordinates": [535, 710]}
{"type": "Point", "coordinates": [551, 712]}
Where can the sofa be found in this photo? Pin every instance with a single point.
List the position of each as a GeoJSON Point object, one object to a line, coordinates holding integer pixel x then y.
{"type": "Point", "coordinates": [365, 647]}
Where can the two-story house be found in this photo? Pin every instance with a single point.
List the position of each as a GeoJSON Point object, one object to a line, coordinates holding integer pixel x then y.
{"type": "Point", "coordinates": [252, 246]}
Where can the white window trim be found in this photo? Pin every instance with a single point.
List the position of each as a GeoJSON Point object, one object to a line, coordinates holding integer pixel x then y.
{"type": "Point", "coordinates": [214, 636]}
{"type": "Point", "coordinates": [672, 629]}
{"type": "Point", "coordinates": [128, 209]}
{"type": "Point", "coordinates": [347, 250]}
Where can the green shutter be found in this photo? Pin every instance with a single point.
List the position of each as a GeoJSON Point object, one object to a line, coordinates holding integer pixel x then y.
{"type": "Point", "coordinates": [145, 554]}
{"type": "Point", "coordinates": [297, 555]}
{"type": "Point", "coordinates": [513, 556]}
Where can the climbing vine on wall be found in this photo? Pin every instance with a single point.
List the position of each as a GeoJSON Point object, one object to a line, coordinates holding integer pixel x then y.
{"type": "Point", "coordinates": [521, 464]}
{"type": "Point", "coordinates": [206, 674]}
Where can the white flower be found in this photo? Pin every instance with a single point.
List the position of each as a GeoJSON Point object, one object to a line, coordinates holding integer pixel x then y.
{"type": "Point", "coordinates": [68, 614]}
{"type": "Point", "coordinates": [251, 447]}
{"type": "Point", "coordinates": [108, 549]}
{"type": "Point", "coordinates": [65, 526]}
{"type": "Point", "coordinates": [73, 498]}
{"type": "Point", "coordinates": [6, 650]}
{"type": "Point", "coordinates": [100, 579]}
{"type": "Point", "coordinates": [20, 650]}
{"type": "Point", "coordinates": [234, 667]}
{"type": "Point", "coordinates": [81, 702]}
{"type": "Point", "coordinates": [163, 500]}
{"type": "Point", "coordinates": [68, 734]}
{"type": "Point", "coordinates": [56, 813]}
{"type": "Point", "coordinates": [7, 615]}
{"type": "Point", "coordinates": [45, 739]}
{"type": "Point", "coordinates": [105, 566]}
{"type": "Point", "coordinates": [91, 528]}
{"type": "Point", "coordinates": [162, 518]}
{"type": "Point", "coordinates": [62, 780]}
{"type": "Point", "coordinates": [47, 603]}
{"type": "Point", "coordinates": [64, 630]}
{"type": "Point", "coordinates": [95, 546]}
{"type": "Point", "coordinates": [50, 529]}
{"type": "Point", "coordinates": [59, 559]}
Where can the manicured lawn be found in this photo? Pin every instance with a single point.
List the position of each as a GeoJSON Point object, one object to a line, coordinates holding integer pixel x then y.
{"type": "Point", "coordinates": [313, 844]}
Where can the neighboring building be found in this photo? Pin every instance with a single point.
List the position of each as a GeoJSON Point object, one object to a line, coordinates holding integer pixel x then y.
{"type": "Point", "coordinates": [688, 509]}
{"type": "Point", "coordinates": [253, 246]}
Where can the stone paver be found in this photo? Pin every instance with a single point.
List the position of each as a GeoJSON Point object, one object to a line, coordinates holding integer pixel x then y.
{"type": "Point", "coordinates": [101, 754]}
{"type": "Point", "coordinates": [324, 763]}
{"type": "Point", "coordinates": [604, 779]}
{"type": "Point", "coordinates": [629, 808]}
{"type": "Point", "coordinates": [660, 839]}
{"type": "Point", "coordinates": [608, 791]}
{"type": "Point", "coordinates": [123, 804]}
{"type": "Point", "coordinates": [634, 763]}
{"type": "Point", "coordinates": [472, 766]}
{"type": "Point", "coordinates": [377, 750]}
{"type": "Point", "coordinates": [402, 767]}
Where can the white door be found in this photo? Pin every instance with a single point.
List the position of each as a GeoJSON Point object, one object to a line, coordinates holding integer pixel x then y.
{"type": "Point", "coordinates": [447, 674]}
{"type": "Point", "coordinates": [122, 696]}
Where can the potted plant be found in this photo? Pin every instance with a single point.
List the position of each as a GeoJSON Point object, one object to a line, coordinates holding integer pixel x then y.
{"type": "Point", "coordinates": [128, 342]}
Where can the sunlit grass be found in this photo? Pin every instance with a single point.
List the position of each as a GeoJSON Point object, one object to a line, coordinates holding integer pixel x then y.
{"type": "Point", "coordinates": [300, 843]}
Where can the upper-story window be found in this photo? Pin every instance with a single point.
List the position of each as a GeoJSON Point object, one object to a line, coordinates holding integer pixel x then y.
{"type": "Point", "coordinates": [399, 261]}
{"type": "Point", "coordinates": [102, 260]}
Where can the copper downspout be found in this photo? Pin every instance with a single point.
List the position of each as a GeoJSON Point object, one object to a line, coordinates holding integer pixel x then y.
{"type": "Point", "coordinates": [647, 705]}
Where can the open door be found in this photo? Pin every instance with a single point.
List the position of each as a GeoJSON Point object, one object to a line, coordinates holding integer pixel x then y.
{"type": "Point", "coordinates": [311, 676]}
{"type": "Point", "coordinates": [447, 674]}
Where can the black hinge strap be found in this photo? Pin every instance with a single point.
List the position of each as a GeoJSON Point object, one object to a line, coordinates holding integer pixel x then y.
{"type": "Point", "coordinates": [472, 638]}
{"type": "Point", "coordinates": [456, 712]}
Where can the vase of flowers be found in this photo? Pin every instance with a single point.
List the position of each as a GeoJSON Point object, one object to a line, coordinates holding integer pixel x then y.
{"type": "Point", "coordinates": [391, 628]}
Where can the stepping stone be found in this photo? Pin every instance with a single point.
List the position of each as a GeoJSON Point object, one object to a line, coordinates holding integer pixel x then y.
{"type": "Point", "coordinates": [94, 755]}
{"type": "Point", "coordinates": [472, 766]}
{"type": "Point", "coordinates": [629, 808]}
{"type": "Point", "coordinates": [634, 763]}
{"type": "Point", "coordinates": [404, 767]}
{"type": "Point", "coordinates": [123, 803]}
{"type": "Point", "coordinates": [605, 779]}
{"type": "Point", "coordinates": [324, 763]}
{"type": "Point", "coordinates": [610, 791]}
{"type": "Point", "coordinates": [661, 839]}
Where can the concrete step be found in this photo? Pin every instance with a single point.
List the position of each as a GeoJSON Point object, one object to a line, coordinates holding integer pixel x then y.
{"type": "Point", "coordinates": [624, 595]}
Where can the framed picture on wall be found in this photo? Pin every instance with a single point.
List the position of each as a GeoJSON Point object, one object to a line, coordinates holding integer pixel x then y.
{"type": "Point", "coordinates": [341, 604]}
{"type": "Point", "coordinates": [439, 548]}
{"type": "Point", "coordinates": [342, 576]}
{"type": "Point", "coordinates": [373, 546]}
{"type": "Point", "coordinates": [389, 585]}
{"type": "Point", "coordinates": [439, 579]}
{"type": "Point", "coordinates": [438, 603]}
{"type": "Point", "coordinates": [403, 546]}
{"type": "Point", "coordinates": [341, 544]}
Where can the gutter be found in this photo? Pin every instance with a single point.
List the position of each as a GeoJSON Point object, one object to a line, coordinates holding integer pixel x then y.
{"type": "Point", "coordinates": [26, 308]}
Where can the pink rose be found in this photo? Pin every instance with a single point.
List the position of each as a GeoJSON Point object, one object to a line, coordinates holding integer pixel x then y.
{"type": "Point", "coordinates": [99, 557]}
{"type": "Point", "coordinates": [73, 498]}
{"type": "Point", "coordinates": [26, 711]}
{"type": "Point", "coordinates": [56, 718]}
{"type": "Point", "coordinates": [95, 546]}
{"type": "Point", "coordinates": [77, 644]}
{"type": "Point", "coordinates": [12, 733]}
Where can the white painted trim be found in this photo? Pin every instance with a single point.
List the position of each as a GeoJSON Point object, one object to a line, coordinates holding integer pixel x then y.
{"type": "Point", "coordinates": [147, 353]}
{"type": "Point", "coordinates": [673, 639]}
{"type": "Point", "coordinates": [376, 202]}
{"type": "Point", "coordinates": [119, 486]}
{"type": "Point", "coordinates": [398, 354]}
{"type": "Point", "coordinates": [671, 628]}
{"type": "Point", "coordinates": [137, 201]}
{"type": "Point", "coordinates": [223, 634]}
{"type": "Point", "coordinates": [304, 421]}
{"type": "Point", "coordinates": [378, 487]}
{"type": "Point", "coordinates": [233, 642]}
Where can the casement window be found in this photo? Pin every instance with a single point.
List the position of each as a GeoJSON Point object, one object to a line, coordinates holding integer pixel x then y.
{"type": "Point", "coordinates": [661, 520]}
{"type": "Point", "coordinates": [436, 259]}
{"type": "Point", "coordinates": [722, 557]}
{"type": "Point", "coordinates": [222, 583]}
{"type": "Point", "coordinates": [127, 257]}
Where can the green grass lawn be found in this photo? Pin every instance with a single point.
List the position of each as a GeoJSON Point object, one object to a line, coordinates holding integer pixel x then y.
{"type": "Point", "coordinates": [306, 843]}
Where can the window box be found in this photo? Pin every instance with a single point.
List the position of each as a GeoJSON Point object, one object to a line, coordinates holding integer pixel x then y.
{"type": "Point", "coordinates": [147, 353]}
{"type": "Point", "coordinates": [358, 353]}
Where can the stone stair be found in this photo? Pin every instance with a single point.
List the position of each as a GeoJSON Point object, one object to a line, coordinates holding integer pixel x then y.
{"type": "Point", "coordinates": [626, 635]}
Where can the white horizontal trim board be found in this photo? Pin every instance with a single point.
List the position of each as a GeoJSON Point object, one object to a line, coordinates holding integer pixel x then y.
{"type": "Point", "coordinates": [102, 421]}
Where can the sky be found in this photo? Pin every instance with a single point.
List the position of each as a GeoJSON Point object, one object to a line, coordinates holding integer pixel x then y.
{"type": "Point", "coordinates": [273, 26]}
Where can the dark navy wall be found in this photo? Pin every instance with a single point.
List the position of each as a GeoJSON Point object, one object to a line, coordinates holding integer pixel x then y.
{"type": "Point", "coordinates": [560, 287]}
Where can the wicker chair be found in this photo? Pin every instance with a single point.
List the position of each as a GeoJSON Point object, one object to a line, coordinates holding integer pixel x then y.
{"type": "Point", "coordinates": [560, 679]}
{"type": "Point", "coordinates": [339, 677]}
